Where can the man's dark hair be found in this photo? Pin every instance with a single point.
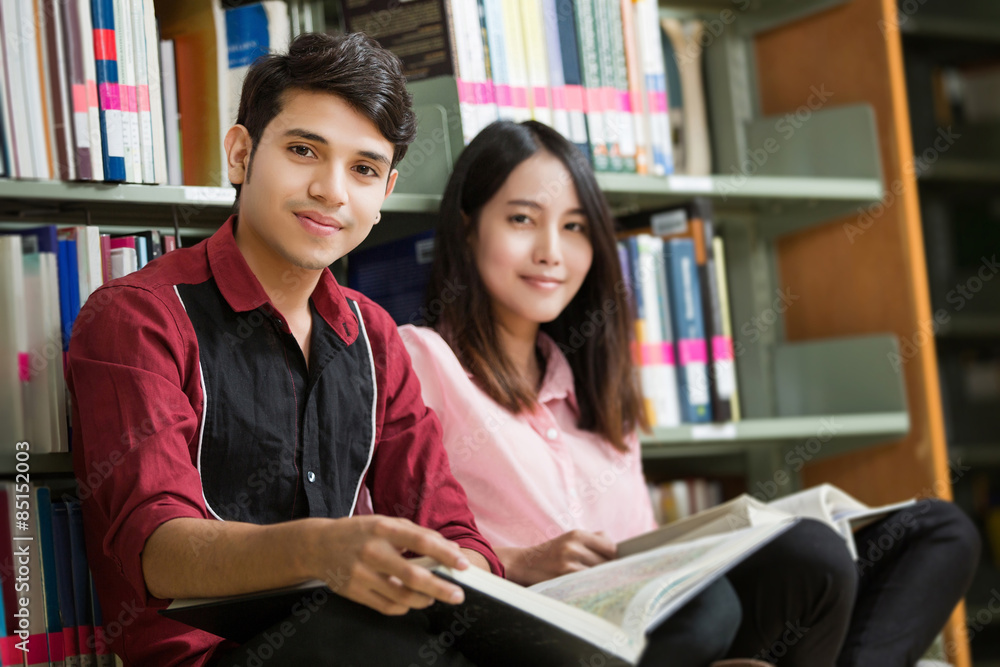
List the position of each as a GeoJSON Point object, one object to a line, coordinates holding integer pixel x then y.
{"type": "Point", "coordinates": [353, 67]}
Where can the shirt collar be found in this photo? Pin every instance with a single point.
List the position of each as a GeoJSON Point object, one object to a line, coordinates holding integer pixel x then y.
{"type": "Point", "coordinates": [243, 292]}
{"type": "Point", "coordinates": [558, 381]}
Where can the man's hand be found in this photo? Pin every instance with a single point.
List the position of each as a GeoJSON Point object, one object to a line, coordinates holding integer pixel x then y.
{"type": "Point", "coordinates": [570, 552]}
{"type": "Point", "coordinates": [361, 558]}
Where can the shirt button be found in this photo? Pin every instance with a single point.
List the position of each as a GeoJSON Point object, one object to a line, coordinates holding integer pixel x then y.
{"type": "Point", "coordinates": [311, 476]}
{"type": "Point", "coordinates": [552, 433]}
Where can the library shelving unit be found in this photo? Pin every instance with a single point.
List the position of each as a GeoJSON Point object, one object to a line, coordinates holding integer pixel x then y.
{"type": "Point", "coordinates": [958, 189]}
{"type": "Point", "coordinates": [817, 314]}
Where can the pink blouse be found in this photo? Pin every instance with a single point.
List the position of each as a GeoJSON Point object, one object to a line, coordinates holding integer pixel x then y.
{"type": "Point", "coordinates": [534, 476]}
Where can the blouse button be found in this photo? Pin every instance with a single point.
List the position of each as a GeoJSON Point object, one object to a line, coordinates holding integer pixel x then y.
{"type": "Point", "coordinates": [552, 433]}
{"type": "Point", "coordinates": [312, 476]}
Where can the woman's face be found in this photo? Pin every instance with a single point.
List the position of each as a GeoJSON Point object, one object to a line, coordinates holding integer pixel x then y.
{"type": "Point", "coordinates": [532, 246]}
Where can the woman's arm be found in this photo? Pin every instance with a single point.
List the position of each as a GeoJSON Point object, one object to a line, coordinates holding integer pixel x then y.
{"type": "Point", "coordinates": [570, 552]}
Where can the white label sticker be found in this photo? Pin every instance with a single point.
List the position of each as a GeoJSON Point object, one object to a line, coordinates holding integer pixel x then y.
{"type": "Point", "coordinates": [713, 431]}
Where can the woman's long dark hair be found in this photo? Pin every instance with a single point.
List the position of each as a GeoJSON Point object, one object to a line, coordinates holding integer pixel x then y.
{"type": "Point", "coordinates": [592, 331]}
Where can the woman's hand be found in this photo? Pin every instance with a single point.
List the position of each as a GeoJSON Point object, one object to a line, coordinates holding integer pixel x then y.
{"type": "Point", "coordinates": [570, 552]}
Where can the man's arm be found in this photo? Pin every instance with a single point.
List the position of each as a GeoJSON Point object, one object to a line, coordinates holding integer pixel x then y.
{"type": "Point", "coordinates": [359, 558]}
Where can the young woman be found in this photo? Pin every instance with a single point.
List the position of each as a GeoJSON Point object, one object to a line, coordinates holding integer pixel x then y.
{"type": "Point", "coordinates": [540, 423]}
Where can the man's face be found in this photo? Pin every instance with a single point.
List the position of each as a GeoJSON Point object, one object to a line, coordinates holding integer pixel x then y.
{"type": "Point", "coordinates": [319, 176]}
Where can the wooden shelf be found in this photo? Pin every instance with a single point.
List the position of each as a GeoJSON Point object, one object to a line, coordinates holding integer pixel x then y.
{"type": "Point", "coordinates": [849, 432]}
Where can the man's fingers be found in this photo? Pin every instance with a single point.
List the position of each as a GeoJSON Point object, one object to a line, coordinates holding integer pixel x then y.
{"type": "Point", "coordinates": [408, 536]}
{"type": "Point", "coordinates": [387, 563]}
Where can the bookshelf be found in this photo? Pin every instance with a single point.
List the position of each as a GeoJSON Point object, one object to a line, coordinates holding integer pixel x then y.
{"type": "Point", "coordinates": [822, 360]}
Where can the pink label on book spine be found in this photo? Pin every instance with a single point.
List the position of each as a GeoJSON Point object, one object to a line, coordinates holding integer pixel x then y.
{"type": "Point", "coordinates": [559, 98]}
{"type": "Point", "coordinates": [85, 637]}
{"type": "Point", "coordinates": [490, 93]}
{"type": "Point", "coordinates": [722, 348]}
{"type": "Point", "coordinates": [23, 367]}
{"type": "Point", "coordinates": [541, 95]}
{"type": "Point", "coordinates": [92, 94]}
{"type": "Point", "coordinates": [519, 97]}
{"type": "Point", "coordinates": [658, 102]}
{"type": "Point", "coordinates": [668, 354]}
{"type": "Point", "coordinates": [110, 95]}
{"type": "Point", "coordinates": [595, 100]}
{"type": "Point", "coordinates": [143, 92]}
{"type": "Point", "coordinates": [651, 354]}
{"type": "Point", "coordinates": [624, 101]}
{"type": "Point", "coordinates": [692, 351]}
{"type": "Point", "coordinates": [79, 98]}
{"type": "Point", "coordinates": [574, 98]}
{"type": "Point", "coordinates": [503, 95]}
{"type": "Point", "coordinates": [57, 647]}
{"type": "Point", "coordinates": [482, 92]}
{"type": "Point", "coordinates": [133, 104]}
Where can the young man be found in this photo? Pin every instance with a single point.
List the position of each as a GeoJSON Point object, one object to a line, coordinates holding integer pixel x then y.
{"type": "Point", "coordinates": [236, 402]}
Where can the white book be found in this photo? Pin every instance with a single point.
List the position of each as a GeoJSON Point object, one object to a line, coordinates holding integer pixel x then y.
{"type": "Point", "coordinates": [58, 81]}
{"type": "Point", "coordinates": [142, 95]}
{"type": "Point", "coordinates": [14, 361]}
{"type": "Point", "coordinates": [536, 59]}
{"type": "Point", "coordinates": [475, 55]}
{"type": "Point", "coordinates": [662, 382]}
{"type": "Point", "coordinates": [52, 352]}
{"type": "Point", "coordinates": [171, 112]}
{"type": "Point", "coordinates": [21, 91]}
{"type": "Point", "coordinates": [90, 74]}
{"type": "Point", "coordinates": [517, 68]}
{"type": "Point", "coordinates": [40, 417]}
{"type": "Point", "coordinates": [126, 86]}
{"type": "Point", "coordinates": [32, 32]}
{"type": "Point", "coordinates": [655, 106]}
{"type": "Point", "coordinates": [152, 44]}
{"type": "Point", "coordinates": [686, 37]}
{"type": "Point", "coordinates": [557, 79]}
{"type": "Point", "coordinates": [495, 38]}
{"type": "Point", "coordinates": [123, 262]}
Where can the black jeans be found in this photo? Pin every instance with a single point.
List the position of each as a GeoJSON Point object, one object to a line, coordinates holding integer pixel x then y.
{"type": "Point", "coordinates": [807, 604]}
{"type": "Point", "coordinates": [361, 637]}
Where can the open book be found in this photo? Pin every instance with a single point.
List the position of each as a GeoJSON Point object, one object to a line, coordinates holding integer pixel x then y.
{"type": "Point", "coordinates": [825, 503]}
{"type": "Point", "coordinates": [603, 611]}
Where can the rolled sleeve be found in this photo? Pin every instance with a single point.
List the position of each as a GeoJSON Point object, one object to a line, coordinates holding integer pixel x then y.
{"type": "Point", "coordinates": [410, 476]}
{"type": "Point", "coordinates": [135, 386]}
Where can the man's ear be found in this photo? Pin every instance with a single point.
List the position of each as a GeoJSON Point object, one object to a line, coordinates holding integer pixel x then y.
{"type": "Point", "coordinates": [391, 183]}
{"type": "Point", "coordinates": [238, 147]}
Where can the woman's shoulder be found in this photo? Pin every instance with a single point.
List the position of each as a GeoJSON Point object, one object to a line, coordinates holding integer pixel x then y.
{"type": "Point", "coordinates": [429, 350]}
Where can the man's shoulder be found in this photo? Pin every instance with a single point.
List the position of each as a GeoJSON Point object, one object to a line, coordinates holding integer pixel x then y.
{"type": "Point", "coordinates": [377, 321]}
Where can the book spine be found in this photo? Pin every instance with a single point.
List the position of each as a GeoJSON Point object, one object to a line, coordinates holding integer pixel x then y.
{"type": "Point", "coordinates": [77, 87]}
{"type": "Point", "coordinates": [623, 106]}
{"type": "Point", "coordinates": [606, 73]}
{"type": "Point", "coordinates": [557, 82]}
{"type": "Point", "coordinates": [84, 14]}
{"type": "Point", "coordinates": [722, 378]}
{"type": "Point", "coordinates": [689, 331]}
{"type": "Point", "coordinates": [498, 58]}
{"type": "Point", "coordinates": [10, 109]}
{"type": "Point", "coordinates": [658, 350]}
{"type": "Point", "coordinates": [719, 255]}
{"type": "Point", "coordinates": [569, 57]}
{"type": "Point", "coordinates": [59, 87]}
{"type": "Point", "coordinates": [636, 91]}
{"type": "Point", "coordinates": [171, 113]}
{"type": "Point", "coordinates": [641, 351]}
{"type": "Point", "coordinates": [127, 86]}
{"type": "Point", "coordinates": [653, 72]}
{"type": "Point", "coordinates": [109, 93]}
{"type": "Point", "coordinates": [517, 69]}
{"type": "Point", "coordinates": [486, 105]}
{"type": "Point", "coordinates": [591, 78]}
{"type": "Point", "coordinates": [537, 63]}
{"type": "Point", "coordinates": [143, 109]}
{"type": "Point", "coordinates": [37, 74]}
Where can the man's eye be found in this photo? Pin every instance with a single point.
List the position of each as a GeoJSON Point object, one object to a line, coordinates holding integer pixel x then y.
{"type": "Point", "coordinates": [365, 170]}
{"type": "Point", "coordinates": [301, 151]}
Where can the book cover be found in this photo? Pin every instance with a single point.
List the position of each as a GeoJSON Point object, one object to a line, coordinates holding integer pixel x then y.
{"type": "Point", "coordinates": [498, 58]}
{"type": "Point", "coordinates": [395, 276]}
{"type": "Point", "coordinates": [635, 89]}
{"type": "Point", "coordinates": [252, 31]}
{"type": "Point", "coordinates": [36, 87]}
{"type": "Point", "coordinates": [591, 79]}
{"type": "Point", "coordinates": [653, 69]}
{"type": "Point", "coordinates": [56, 62]}
{"type": "Point", "coordinates": [171, 114]}
{"type": "Point", "coordinates": [613, 129]}
{"type": "Point", "coordinates": [63, 555]}
{"type": "Point", "coordinates": [82, 10]}
{"type": "Point", "coordinates": [82, 603]}
{"type": "Point", "coordinates": [536, 61]}
{"type": "Point", "coordinates": [154, 81]}
{"type": "Point", "coordinates": [127, 90]}
{"type": "Point", "coordinates": [557, 82]}
{"type": "Point", "coordinates": [77, 90]}
{"type": "Point", "coordinates": [15, 86]}
{"type": "Point", "coordinates": [15, 369]}
{"type": "Point", "coordinates": [49, 575]}
{"type": "Point", "coordinates": [137, 37]}
{"type": "Point", "coordinates": [517, 66]}
{"type": "Point", "coordinates": [625, 118]}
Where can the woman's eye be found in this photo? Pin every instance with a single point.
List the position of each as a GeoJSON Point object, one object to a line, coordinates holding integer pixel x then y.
{"type": "Point", "coordinates": [576, 227]}
{"type": "Point", "coordinates": [519, 218]}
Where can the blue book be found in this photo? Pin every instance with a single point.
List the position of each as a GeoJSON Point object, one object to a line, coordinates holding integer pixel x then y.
{"type": "Point", "coordinates": [108, 91]}
{"type": "Point", "coordinates": [50, 574]}
{"type": "Point", "coordinates": [395, 276]}
{"type": "Point", "coordinates": [689, 331]}
{"type": "Point", "coordinates": [69, 288]}
{"type": "Point", "coordinates": [572, 75]}
{"type": "Point", "coordinates": [141, 251]}
{"type": "Point", "coordinates": [63, 553]}
{"type": "Point", "coordinates": [47, 236]}
{"type": "Point", "coordinates": [81, 580]}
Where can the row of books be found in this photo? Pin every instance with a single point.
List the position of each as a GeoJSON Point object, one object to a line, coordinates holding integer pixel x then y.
{"type": "Point", "coordinates": [610, 75]}
{"type": "Point", "coordinates": [46, 274]}
{"type": "Point", "coordinates": [49, 613]}
{"type": "Point", "coordinates": [90, 91]}
{"type": "Point", "coordinates": [675, 268]}
{"type": "Point", "coordinates": [681, 498]}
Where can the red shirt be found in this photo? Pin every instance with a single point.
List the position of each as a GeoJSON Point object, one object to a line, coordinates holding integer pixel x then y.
{"type": "Point", "coordinates": [191, 398]}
